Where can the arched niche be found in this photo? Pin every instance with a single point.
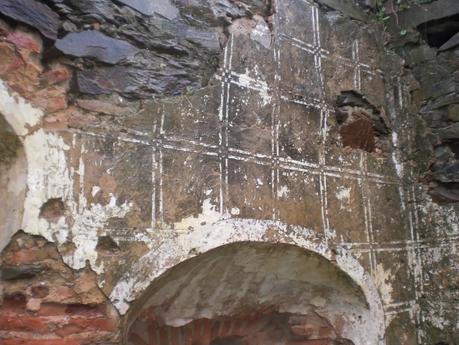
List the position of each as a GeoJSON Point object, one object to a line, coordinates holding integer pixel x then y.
{"type": "Point", "coordinates": [248, 293]}
{"type": "Point", "coordinates": [13, 175]}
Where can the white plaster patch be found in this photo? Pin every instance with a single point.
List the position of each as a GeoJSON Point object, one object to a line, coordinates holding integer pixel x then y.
{"type": "Point", "coordinates": [258, 84]}
{"type": "Point", "coordinates": [95, 190]}
{"type": "Point", "coordinates": [262, 34]}
{"type": "Point", "coordinates": [395, 155]}
{"type": "Point", "coordinates": [382, 278]}
{"type": "Point", "coordinates": [283, 192]}
{"type": "Point", "coordinates": [19, 114]}
{"type": "Point", "coordinates": [48, 177]}
{"type": "Point", "coordinates": [85, 231]}
{"type": "Point", "coordinates": [235, 211]}
{"type": "Point", "coordinates": [343, 194]}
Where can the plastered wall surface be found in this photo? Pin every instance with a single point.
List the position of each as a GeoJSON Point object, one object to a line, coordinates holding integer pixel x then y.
{"type": "Point", "coordinates": [254, 156]}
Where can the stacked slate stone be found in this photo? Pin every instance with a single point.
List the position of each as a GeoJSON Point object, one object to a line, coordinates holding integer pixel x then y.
{"type": "Point", "coordinates": [135, 48]}
{"type": "Point", "coordinates": [431, 50]}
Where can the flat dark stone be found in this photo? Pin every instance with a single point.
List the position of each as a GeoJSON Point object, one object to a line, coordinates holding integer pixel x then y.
{"type": "Point", "coordinates": [96, 45]}
{"type": "Point", "coordinates": [449, 133]}
{"type": "Point", "coordinates": [352, 98]}
{"type": "Point", "coordinates": [451, 43]}
{"type": "Point", "coordinates": [149, 7]}
{"type": "Point", "coordinates": [99, 8]}
{"type": "Point", "coordinates": [132, 81]}
{"type": "Point", "coordinates": [446, 192]}
{"type": "Point", "coordinates": [33, 13]}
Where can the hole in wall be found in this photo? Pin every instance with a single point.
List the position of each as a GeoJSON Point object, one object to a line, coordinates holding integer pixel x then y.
{"type": "Point", "coordinates": [444, 192]}
{"type": "Point", "coordinates": [52, 210]}
{"type": "Point", "coordinates": [454, 146]}
{"type": "Point", "coordinates": [438, 32]}
{"type": "Point", "coordinates": [361, 125]}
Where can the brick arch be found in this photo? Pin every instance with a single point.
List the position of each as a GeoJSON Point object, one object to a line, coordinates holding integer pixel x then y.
{"type": "Point", "coordinates": [259, 327]}
{"type": "Point", "coordinates": [365, 328]}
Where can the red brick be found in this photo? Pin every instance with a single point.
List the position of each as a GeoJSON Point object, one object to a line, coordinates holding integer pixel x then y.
{"type": "Point", "coordinates": [24, 41]}
{"type": "Point", "coordinates": [98, 324]}
{"type": "Point", "coordinates": [65, 331]}
{"type": "Point", "coordinates": [31, 256]}
{"type": "Point", "coordinates": [136, 339]}
{"type": "Point", "coordinates": [39, 342]}
{"type": "Point", "coordinates": [85, 310]}
{"type": "Point", "coordinates": [164, 336]}
{"type": "Point", "coordinates": [311, 342]}
{"type": "Point", "coordinates": [13, 322]}
{"type": "Point", "coordinates": [56, 75]}
{"type": "Point", "coordinates": [40, 291]}
{"type": "Point", "coordinates": [51, 99]}
{"type": "Point", "coordinates": [15, 302]}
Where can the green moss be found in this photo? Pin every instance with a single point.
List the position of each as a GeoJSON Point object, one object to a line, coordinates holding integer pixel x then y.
{"type": "Point", "coordinates": [10, 144]}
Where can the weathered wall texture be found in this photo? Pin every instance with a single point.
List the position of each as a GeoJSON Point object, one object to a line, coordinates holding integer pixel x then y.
{"type": "Point", "coordinates": [154, 134]}
{"type": "Point", "coordinates": [426, 39]}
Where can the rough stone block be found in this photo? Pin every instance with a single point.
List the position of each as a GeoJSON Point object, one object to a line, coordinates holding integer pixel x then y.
{"type": "Point", "coordinates": [393, 276]}
{"type": "Point", "coordinates": [96, 45]}
{"type": "Point", "coordinates": [300, 79]}
{"type": "Point", "coordinates": [299, 132]}
{"type": "Point", "coordinates": [453, 112]}
{"type": "Point", "coordinates": [345, 202]}
{"type": "Point", "coordinates": [191, 186]}
{"type": "Point", "coordinates": [250, 190]}
{"type": "Point", "coordinates": [296, 20]}
{"type": "Point", "coordinates": [33, 13]}
{"type": "Point", "coordinates": [389, 222]}
{"type": "Point", "coordinates": [162, 7]}
{"type": "Point", "coordinates": [299, 199]}
{"type": "Point", "coordinates": [250, 120]}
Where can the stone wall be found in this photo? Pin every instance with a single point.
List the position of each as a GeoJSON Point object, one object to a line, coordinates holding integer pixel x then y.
{"type": "Point", "coordinates": [154, 133]}
{"type": "Point", "coordinates": [425, 39]}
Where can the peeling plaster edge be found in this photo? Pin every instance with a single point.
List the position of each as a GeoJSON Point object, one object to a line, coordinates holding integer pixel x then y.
{"type": "Point", "coordinates": [17, 111]}
{"type": "Point", "coordinates": [174, 248]}
{"type": "Point", "coordinates": [50, 176]}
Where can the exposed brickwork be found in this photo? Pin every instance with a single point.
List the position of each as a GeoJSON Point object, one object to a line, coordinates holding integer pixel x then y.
{"type": "Point", "coordinates": [252, 328]}
{"type": "Point", "coordinates": [46, 302]}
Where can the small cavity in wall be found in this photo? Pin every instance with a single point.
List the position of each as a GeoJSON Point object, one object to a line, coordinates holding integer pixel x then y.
{"type": "Point", "coordinates": [360, 124]}
{"type": "Point", "coordinates": [44, 301]}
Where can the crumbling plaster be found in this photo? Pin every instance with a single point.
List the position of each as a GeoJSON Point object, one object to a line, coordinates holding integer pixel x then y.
{"type": "Point", "coordinates": [365, 214]}
{"type": "Point", "coordinates": [49, 177]}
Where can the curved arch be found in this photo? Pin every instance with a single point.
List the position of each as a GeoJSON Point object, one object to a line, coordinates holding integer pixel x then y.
{"type": "Point", "coordinates": [13, 181]}
{"type": "Point", "coordinates": [38, 150]}
{"type": "Point", "coordinates": [172, 248]}
{"type": "Point", "coordinates": [17, 117]}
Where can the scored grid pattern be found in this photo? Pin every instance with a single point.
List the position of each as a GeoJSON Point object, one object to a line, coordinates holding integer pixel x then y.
{"type": "Point", "coordinates": [224, 153]}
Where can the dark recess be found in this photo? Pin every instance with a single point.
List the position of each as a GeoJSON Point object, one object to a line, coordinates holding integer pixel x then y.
{"type": "Point", "coordinates": [437, 32]}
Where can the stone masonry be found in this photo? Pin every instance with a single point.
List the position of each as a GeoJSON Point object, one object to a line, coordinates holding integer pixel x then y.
{"type": "Point", "coordinates": [218, 172]}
